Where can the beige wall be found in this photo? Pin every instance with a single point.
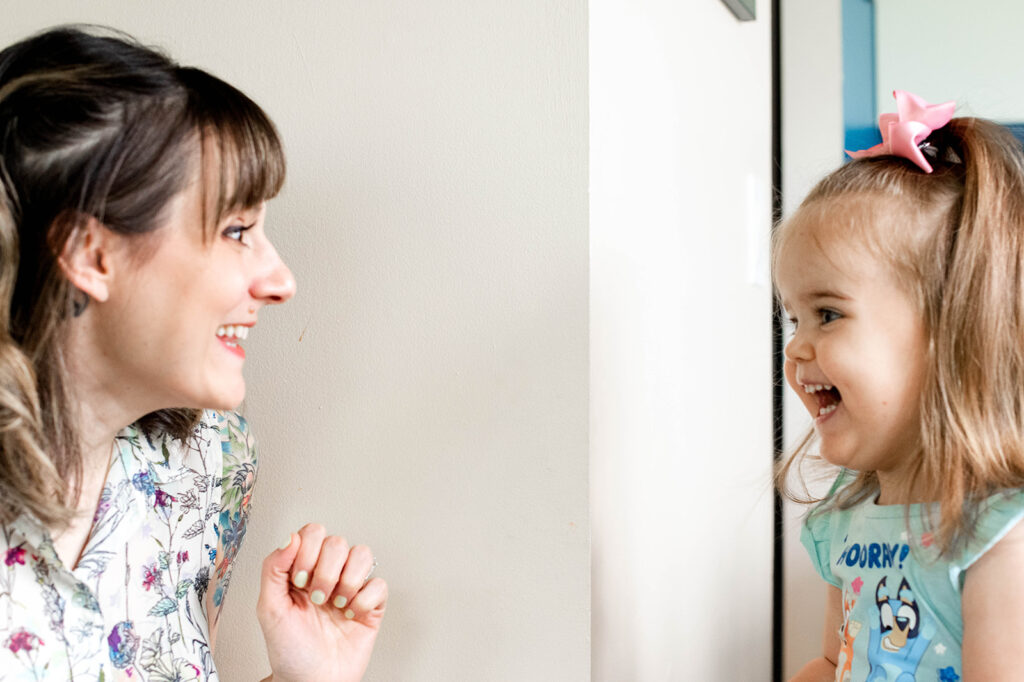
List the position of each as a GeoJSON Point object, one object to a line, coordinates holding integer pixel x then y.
{"type": "Point", "coordinates": [426, 391]}
{"type": "Point", "coordinates": [680, 208]}
{"type": "Point", "coordinates": [435, 387]}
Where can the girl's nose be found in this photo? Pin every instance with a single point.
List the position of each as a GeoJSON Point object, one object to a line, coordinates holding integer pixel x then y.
{"type": "Point", "coordinates": [799, 348]}
{"type": "Point", "coordinates": [275, 284]}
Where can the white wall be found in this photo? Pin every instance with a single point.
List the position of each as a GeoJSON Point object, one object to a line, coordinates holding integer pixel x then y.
{"type": "Point", "coordinates": [812, 146]}
{"type": "Point", "coordinates": [680, 206]}
{"type": "Point", "coordinates": [943, 50]}
{"type": "Point", "coordinates": [426, 391]}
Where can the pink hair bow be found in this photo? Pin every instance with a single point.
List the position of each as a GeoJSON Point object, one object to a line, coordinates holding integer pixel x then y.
{"type": "Point", "coordinates": [904, 132]}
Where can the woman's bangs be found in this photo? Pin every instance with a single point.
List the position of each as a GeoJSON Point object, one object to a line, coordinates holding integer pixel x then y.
{"type": "Point", "coordinates": [252, 165]}
{"type": "Point", "coordinates": [246, 151]}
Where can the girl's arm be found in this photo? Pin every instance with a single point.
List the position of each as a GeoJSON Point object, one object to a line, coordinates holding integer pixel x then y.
{"type": "Point", "coordinates": [993, 611]}
{"type": "Point", "coordinates": [823, 669]}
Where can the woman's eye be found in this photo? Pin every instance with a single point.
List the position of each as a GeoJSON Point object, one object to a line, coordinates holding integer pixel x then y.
{"type": "Point", "coordinates": [237, 232]}
{"type": "Point", "coordinates": [828, 315]}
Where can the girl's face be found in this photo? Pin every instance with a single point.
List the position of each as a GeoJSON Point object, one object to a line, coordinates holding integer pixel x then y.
{"type": "Point", "coordinates": [857, 357]}
{"type": "Point", "coordinates": [175, 321]}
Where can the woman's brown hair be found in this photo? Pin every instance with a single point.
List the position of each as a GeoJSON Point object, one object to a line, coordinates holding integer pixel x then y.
{"type": "Point", "coordinates": [955, 240]}
{"type": "Point", "coordinates": [94, 125]}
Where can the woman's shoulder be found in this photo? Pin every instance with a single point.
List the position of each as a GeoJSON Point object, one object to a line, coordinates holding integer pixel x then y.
{"type": "Point", "coordinates": [223, 436]}
{"type": "Point", "coordinates": [233, 431]}
{"type": "Point", "coordinates": [220, 442]}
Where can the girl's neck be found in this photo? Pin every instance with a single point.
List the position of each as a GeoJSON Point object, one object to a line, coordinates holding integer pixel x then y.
{"type": "Point", "coordinates": [897, 487]}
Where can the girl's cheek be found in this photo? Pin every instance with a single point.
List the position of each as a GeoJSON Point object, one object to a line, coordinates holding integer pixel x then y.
{"type": "Point", "coordinates": [789, 369]}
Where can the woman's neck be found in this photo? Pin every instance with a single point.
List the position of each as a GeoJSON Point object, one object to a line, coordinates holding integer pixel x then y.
{"type": "Point", "coordinates": [104, 404]}
{"type": "Point", "coordinates": [102, 407]}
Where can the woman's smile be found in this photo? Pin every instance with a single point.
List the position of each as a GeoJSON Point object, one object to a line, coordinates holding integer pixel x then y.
{"type": "Point", "coordinates": [230, 334]}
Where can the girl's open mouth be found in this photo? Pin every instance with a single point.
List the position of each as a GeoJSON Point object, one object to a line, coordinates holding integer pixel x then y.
{"type": "Point", "coordinates": [828, 398]}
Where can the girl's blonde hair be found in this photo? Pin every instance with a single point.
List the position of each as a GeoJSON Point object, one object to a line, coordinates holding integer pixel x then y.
{"type": "Point", "coordinates": [955, 240]}
{"type": "Point", "coordinates": [94, 125]}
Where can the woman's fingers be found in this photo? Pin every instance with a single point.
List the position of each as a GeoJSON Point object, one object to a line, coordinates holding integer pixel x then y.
{"type": "Point", "coordinates": [371, 599]}
{"type": "Point", "coordinates": [333, 554]}
{"type": "Point", "coordinates": [275, 577]}
{"type": "Point", "coordinates": [311, 537]}
{"type": "Point", "coordinates": [353, 575]}
{"type": "Point", "coordinates": [328, 571]}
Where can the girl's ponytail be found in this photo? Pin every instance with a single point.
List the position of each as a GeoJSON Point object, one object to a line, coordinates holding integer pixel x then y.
{"type": "Point", "coordinates": [973, 407]}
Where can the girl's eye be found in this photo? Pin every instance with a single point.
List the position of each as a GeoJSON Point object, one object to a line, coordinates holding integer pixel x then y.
{"type": "Point", "coordinates": [237, 232]}
{"type": "Point", "coordinates": [828, 315]}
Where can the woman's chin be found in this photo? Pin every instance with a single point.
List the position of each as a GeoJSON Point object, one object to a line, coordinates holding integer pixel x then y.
{"type": "Point", "coordinates": [224, 399]}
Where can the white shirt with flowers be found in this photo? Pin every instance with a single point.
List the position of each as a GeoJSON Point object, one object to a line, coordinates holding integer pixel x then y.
{"type": "Point", "coordinates": [170, 520]}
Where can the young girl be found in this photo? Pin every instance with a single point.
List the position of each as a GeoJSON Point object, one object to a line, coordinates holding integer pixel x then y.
{"type": "Point", "coordinates": [903, 273]}
{"type": "Point", "coordinates": [133, 265]}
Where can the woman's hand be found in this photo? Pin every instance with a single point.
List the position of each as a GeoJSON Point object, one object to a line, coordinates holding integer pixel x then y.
{"type": "Point", "coordinates": [319, 613]}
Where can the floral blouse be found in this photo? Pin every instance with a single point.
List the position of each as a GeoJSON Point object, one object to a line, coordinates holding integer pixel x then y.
{"type": "Point", "coordinates": [169, 523]}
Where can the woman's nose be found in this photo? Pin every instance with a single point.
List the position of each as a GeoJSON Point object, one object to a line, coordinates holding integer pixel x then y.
{"type": "Point", "coordinates": [275, 283]}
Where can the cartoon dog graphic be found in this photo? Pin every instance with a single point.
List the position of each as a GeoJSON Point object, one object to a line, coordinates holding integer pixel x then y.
{"type": "Point", "coordinates": [900, 638]}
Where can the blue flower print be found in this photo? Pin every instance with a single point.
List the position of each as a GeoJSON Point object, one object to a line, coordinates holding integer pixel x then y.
{"type": "Point", "coordinates": [123, 643]}
{"type": "Point", "coordinates": [142, 482]}
{"type": "Point", "coordinates": [947, 674]}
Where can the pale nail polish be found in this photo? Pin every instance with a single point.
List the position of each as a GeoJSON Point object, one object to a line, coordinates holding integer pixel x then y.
{"type": "Point", "coordinates": [287, 544]}
{"type": "Point", "coordinates": [300, 579]}
{"type": "Point", "coordinates": [318, 597]}
{"type": "Point", "coordinates": [340, 601]}
{"type": "Point", "coordinates": [350, 614]}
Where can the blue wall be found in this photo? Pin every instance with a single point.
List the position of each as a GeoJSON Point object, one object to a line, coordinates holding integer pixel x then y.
{"type": "Point", "coordinates": [860, 120]}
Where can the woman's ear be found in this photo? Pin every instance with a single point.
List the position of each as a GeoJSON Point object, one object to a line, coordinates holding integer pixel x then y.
{"type": "Point", "coordinates": [87, 258]}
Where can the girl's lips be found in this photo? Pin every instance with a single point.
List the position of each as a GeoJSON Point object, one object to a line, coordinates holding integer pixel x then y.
{"type": "Point", "coordinates": [821, 418]}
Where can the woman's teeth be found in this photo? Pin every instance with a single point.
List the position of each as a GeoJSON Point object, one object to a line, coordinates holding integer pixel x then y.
{"type": "Point", "coordinates": [233, 331]}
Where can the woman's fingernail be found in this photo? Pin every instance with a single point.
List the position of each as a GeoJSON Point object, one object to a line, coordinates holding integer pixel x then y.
{"type": "Point", "coordinates": [300, 579]}
{"type": "Point", "coordinates": [318, 597]}
{"type": "Point", "coordinates": [350, 614]}
{"type": "Point", "coordinates": [287, 544]}
{"type": "Point", "coordinates": [340, 601]}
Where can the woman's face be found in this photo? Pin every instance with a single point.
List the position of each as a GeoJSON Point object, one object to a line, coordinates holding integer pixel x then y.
{"type": "Point", "coordinates": [178, 316]}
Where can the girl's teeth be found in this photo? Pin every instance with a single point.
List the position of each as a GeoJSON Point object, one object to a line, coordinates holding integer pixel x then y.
{"type": "Point", "coordinates": [828, 410]}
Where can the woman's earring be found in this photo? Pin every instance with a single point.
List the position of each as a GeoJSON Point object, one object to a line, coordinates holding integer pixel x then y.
{"type": "Point", "coordinates": [79, 302]}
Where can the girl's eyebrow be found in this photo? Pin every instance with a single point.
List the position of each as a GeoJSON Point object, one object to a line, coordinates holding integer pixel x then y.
{"type": "Point", "coordinates": [815, 296]}
{"type": "Point", "coordinates": [827, 293]}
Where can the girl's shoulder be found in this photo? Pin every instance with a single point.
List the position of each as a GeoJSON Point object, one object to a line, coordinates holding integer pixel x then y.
{"type": "Point", "coordinates": [993, 518]}
{"type": "Point", "coordinates": [819, 527]}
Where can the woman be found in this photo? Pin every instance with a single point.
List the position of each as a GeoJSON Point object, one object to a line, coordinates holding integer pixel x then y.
{"type": "Point", "coordinates": [133, 260]}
